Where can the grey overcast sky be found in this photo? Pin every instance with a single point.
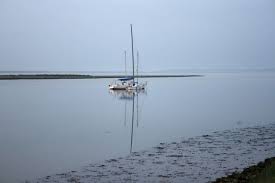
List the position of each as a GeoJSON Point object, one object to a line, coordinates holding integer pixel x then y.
{"type": "Point", "coordinates": [91, 35]}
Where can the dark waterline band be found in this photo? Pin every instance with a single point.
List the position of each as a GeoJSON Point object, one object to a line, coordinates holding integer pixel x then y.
{"type": "Point", "coordinates": [79, 76]}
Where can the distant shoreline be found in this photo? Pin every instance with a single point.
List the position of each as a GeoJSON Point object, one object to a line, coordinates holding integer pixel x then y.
{"type": "Point", "coordinates": [80, 76]}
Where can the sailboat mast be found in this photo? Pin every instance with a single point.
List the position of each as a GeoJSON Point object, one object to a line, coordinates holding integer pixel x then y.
{"type": "Point", "coordinates": [133, 57]}
{"type": "Point", "coordinates": [125, 63]}
{"type": "Point", "coordinates": [137, 65]}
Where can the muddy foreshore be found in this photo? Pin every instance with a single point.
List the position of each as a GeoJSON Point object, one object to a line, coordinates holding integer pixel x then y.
{"type": "Point", "coordinates": [200, 159]}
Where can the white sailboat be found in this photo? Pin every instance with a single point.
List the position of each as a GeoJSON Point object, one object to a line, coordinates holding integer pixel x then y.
{"type": "Point", "coordinates": [122, 83]}
{"type": "Point", "coordinates": [128, 83]}
{"type": "Point", "coordinates": [135, 85]}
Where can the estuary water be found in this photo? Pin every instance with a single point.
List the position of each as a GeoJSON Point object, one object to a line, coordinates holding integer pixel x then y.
{"type": "Point", "coordinates": [52, 126]}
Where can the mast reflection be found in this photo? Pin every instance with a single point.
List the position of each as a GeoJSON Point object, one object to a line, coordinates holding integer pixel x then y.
{"type": "Point", "coordinates": [133, 98]}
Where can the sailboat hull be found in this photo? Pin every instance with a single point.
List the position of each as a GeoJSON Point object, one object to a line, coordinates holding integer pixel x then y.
{"type": "Point", "coordinates": [117, 87]}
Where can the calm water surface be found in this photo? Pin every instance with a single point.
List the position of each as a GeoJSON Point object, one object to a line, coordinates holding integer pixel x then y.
{"type": "Point", "coordinates": [52, 126]}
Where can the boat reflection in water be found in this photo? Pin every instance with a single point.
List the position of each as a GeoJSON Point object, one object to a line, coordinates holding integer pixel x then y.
{"type": "Point", "coordinates": [132, 97]}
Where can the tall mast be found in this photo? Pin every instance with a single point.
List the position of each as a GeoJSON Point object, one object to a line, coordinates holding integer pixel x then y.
{"type": "Point", "coordinates": [125, 63]}
{"type": "Point", "coordinates": [133, 57]}
{"type": "Point", "coordinates": [137, 64]}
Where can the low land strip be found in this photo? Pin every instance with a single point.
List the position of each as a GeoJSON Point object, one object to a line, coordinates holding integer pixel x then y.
{"type": "Point", "coordinates": [79, 76]}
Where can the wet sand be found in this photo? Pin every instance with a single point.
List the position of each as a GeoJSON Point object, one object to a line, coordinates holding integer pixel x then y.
{"type": "Point", "coordinates": [200, 159]}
